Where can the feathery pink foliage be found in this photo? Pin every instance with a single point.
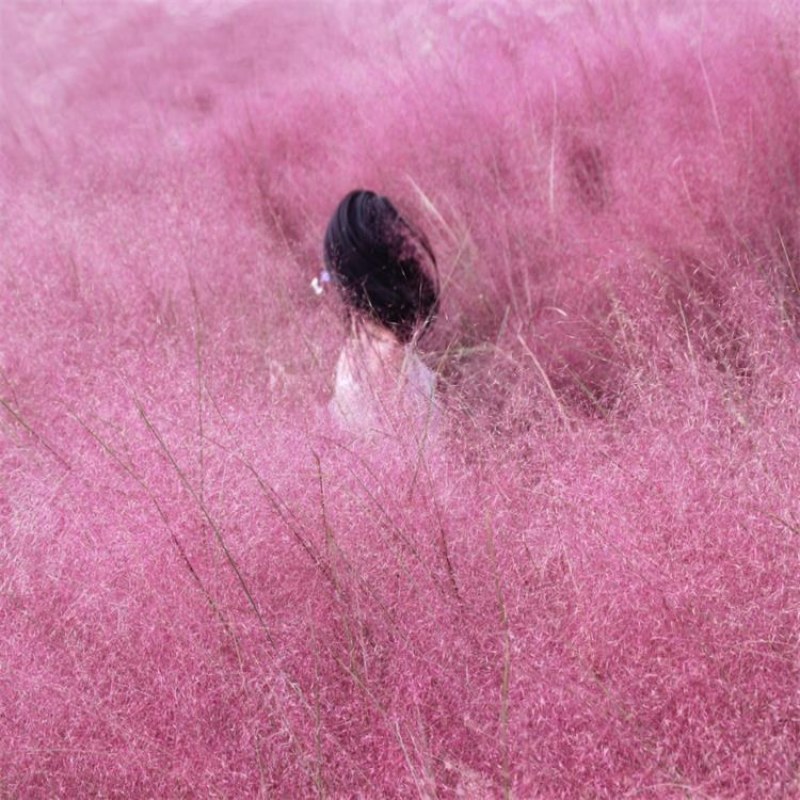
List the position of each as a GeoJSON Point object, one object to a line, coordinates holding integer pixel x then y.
{"type": "Point", "coordinates": [588, 586]}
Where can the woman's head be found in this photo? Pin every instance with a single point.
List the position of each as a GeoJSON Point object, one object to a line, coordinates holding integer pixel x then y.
{"type": "Point", "coordinates": [377, 260]}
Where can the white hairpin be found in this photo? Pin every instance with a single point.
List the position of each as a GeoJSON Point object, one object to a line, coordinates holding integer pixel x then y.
{"type": "Point", "coordinates": [318, 283]}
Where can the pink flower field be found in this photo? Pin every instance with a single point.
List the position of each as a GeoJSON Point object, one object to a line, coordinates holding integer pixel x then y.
{"type": "Point", "coordinates": [585, 583]}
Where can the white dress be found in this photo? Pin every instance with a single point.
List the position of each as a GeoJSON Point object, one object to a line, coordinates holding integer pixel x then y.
{"type": "Point", "coordinates": [382, 387]}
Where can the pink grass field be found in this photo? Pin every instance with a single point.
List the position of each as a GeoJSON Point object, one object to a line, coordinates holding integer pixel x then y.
{"type": "Point", "coordinates": [587, 585]}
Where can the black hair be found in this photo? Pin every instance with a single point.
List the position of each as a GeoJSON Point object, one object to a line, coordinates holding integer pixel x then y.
{"type": "Point", "coordinates": [376, 258]}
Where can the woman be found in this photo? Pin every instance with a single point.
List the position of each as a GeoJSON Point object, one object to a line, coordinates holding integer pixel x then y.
{"type": "Point", "coordinates": [385, 271]}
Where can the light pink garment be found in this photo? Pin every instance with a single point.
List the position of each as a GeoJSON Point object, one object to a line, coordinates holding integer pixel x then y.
{"type": "Point", "coordinates": [382, 386]}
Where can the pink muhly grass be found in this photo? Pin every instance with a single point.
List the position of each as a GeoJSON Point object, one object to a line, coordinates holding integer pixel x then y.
{"type": "Point", "coordinates": [586, 585]}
